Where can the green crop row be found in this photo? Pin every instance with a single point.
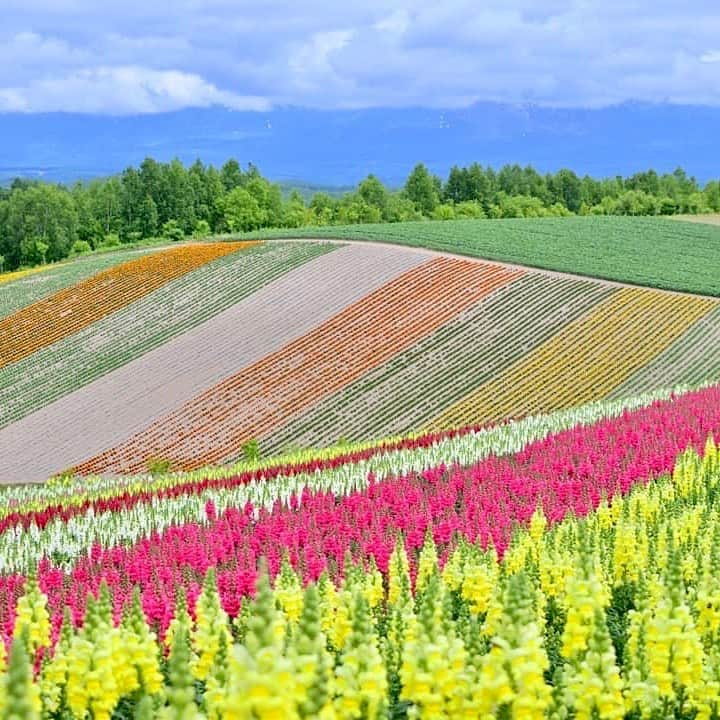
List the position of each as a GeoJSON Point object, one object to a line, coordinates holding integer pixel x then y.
{"type": "Point", "coordinates": [77, 360]}
{"type": "Point", "coordinates": [639, 250]}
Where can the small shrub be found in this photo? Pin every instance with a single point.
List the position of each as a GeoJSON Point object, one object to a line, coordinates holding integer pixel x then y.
{"type": "Point", "coordinates": [251, 451]}
{"type": "Point", "coordinates": [202, 229]}
{"type": "Point", "coordinates": [172, 230]}
{"type": "Point", "coordinates": [80, 247]}
{"type": "Point", "coordinates": [111, 240]}
{"type": "Point", "coordinates": [158, 466]}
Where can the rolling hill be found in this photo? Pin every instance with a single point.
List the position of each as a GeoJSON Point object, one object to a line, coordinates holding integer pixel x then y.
{"type": "Point", "coordinates": [186, 353]}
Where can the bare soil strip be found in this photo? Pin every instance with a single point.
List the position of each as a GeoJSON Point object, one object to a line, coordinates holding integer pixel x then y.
{"type": "Point", "coordinates": [112, 408]}
{"type": "Point", "coordinates": [404, 393]}
{"type": "Point", "coordinates": [210, 428]}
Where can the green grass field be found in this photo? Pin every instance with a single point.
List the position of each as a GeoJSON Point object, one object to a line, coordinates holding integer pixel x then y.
{"type": "Point", "coordinates": [641, 251]}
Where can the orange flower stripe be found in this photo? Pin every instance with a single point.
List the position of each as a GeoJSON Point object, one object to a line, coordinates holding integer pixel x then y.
{"type": "Point", "coordinates": [586, 360]}
{"type": "Point", "coordinates": [74, 308]}
{"type": "Point", "coordinates": [265, 395]}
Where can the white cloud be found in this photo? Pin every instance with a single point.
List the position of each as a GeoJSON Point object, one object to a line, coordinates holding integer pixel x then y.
{"type": "Point", "coordinates": [396, 23]}
{"type": "Point", "coordinates": [122, 90]}
{"type": "Point", "coordinates": [135, 57]}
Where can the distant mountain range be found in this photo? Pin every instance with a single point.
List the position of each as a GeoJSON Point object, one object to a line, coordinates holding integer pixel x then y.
{"type": "Point", "coordinates": [335, 148]}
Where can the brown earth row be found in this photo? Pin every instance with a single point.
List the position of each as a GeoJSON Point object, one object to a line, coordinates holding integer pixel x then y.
{"type": "Point", "coordinates": [107, 411]}
{"type": "Point", "coordinates": [260, 398]}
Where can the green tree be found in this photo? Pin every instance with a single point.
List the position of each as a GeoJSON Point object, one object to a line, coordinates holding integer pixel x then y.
{"type": "Point", "coordinates": [241, 211]}
{"type": "Point", "coordinates": [565, 187]}
{"type": "Point", "coordinates": [374, 193]}
{"type": "Point", "coordinates": [294, 212]}
{"type": "Point", "coordinates": [180, 202]}
{"type": "Point", "coordinates": [172, 230]}
{"type": "Point", "coordinates": [401, 209]}
{"type": "Point", "coordinates": [354, 210]}
{"type": "Point", "coordinates": [147, 218]}
{"type": "Point", "coordinates": [232, 175]}
{"type": "Point", "coordinates": [420, 187]}
{"type": "Point", "coordinates": [41, 224]}
{"type": "Point", "coordinates": [712, 195]}
{"type": "Point", "coordinates": [322, 208]}
{"type": "Point", "coordinates": [105, 199]}
{"type": "Point", "coordinates": [444, 211]}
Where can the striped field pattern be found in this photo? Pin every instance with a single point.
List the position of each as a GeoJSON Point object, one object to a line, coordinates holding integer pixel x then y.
{"type": "Point", "coordinates": [118, 338]}
{"type": "Point", "coordinates": [185, 354]}
{"type": "Point", "coordinates": [212, 426]}
{"type": "Point", "coordinates": [585, 360]}
{"type": "Point", "coordinates": [69, 311]}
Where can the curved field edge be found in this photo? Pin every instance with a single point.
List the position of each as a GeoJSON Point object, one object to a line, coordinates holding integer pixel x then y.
{"type": "Point", "coordinates": [128, 333]}
{"type": "Point", "coordinates": [649, 252]}
{"type": "Point", "coordinates": [128, 509]}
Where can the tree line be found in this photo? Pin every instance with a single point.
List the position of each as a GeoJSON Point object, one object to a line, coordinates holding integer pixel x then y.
{"type": "Point", "coordinates": [42, 222]}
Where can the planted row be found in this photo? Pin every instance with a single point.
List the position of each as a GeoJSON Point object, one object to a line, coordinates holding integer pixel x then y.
{"type": "Point", "coordinates": [612, 616]}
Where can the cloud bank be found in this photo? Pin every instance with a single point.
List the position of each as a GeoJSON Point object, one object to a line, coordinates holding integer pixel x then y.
{"type": "Point", "coordinates": [139, 57]}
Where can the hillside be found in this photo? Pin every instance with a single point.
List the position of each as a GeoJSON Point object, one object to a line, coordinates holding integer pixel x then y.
{"type": "Point", "coordinates": [645, 251]}
{"type": "Point", "coordinates": [185, 353]}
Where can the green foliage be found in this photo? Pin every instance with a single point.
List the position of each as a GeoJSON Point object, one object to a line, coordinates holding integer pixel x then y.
{"type": "Point", "coordinates": [41, 222]}
{"type": "Point", "coordinates": [80, 247]}
{"type": "Point", "coordinates": [158, 466]}
{"type": "Point", "coordinates": [638, 250]}
{"type": "Point", "coordinates": [202, 229]}
{"type": "Point", "coordinates": [172, 230]}
{"type": "Point", "coordinates": [111, 240]}
{"type": "Point", "coordinates": [251, 450]}
{"type": "Point", "coordinates": [422, 190]}
{"type": "Point", "coordinates": [241, 211]}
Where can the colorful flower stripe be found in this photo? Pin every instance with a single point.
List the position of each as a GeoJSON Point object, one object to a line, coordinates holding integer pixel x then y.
{"type": "Point", "coordinates": [75, 426]}
{"type": "Point", "coordinates": [613, 616]}
{"type": "Point", "coordinates": [414, 386]}
{"type": "Point", "coordinates": [70, 310]}
{"type": "Point", "coordinates": [568, 472]}
{"type": "Point", "coordinates": [586, 360]}
{"type": "Point", "coordinates": [110, 511]}
{"type": "Point", "coordinates": [20, 292]}
{"type": "Point", "coordinates": [174, 308]}
{"type": "Point", "coordinates": [259, 398]}
{"type": "Point", "coordinates": [693, 357]}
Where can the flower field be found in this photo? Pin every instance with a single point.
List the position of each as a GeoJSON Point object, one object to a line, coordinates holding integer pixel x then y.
{"type": "Point", "coordinates": [559, 566]}
{"type": "Point", "coordinates": [211, 427]}
{"type": "Point", "coordinates": [69, 311]}
{"type": "Point", "coordinates": [24, 287]}
{"type": "Point", "coordinates": [176, 307]}
{"type": "Point", "coordinates": [195, 350]}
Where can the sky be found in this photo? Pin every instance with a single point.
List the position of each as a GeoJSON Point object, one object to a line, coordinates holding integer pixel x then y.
{"type": "Point", "coordinates": [151, 56]}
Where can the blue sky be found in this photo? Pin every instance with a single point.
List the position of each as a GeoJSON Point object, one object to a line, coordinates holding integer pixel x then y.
{"type": "Point", "coordinates": [147, 56]}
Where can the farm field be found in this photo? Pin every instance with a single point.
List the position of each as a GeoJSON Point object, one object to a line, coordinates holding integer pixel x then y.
{"type": "Point", "coordinates": [712, 219]}
{"type": "Point", "coordinates": [512, 513]}
{"type": "Point", "coordinates": [637, 250]}
{"type": "Point", "coordinates": [559, 563]}
{"type": "Point", "coordinates": [302, 344]}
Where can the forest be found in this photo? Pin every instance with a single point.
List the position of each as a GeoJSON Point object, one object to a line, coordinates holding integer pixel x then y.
{"type": "Point", "coordinates": [42, 222]}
